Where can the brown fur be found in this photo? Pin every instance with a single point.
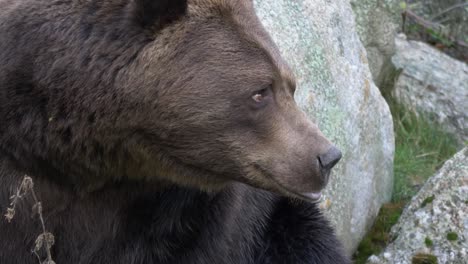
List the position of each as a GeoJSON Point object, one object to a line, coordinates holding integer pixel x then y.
{"type": "Point", "coordinates": [102, 99]}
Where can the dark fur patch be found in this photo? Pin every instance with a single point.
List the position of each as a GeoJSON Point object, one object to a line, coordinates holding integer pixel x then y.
{"type": "Point", "coordinates": [157, 13]}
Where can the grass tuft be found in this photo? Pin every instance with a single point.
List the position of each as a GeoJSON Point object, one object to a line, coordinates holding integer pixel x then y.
{"type": "Point", "coordinates": [421, 147]}
{"type": "Point", "coordinates": [423, 258]}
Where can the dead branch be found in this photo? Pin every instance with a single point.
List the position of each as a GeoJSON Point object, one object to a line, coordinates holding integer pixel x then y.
{"type": "Point", "coordinates": [45, 240]}
{"type": "Point", "coordinates": [426, 24]}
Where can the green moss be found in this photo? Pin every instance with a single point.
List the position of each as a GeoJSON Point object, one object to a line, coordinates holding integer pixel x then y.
{"type": "Point", "coordinates": [422, 258]}
{"type": "Point", "coordinates": [452, 236]}
{"type": "Point", "coordinates": [428, 242]}
{"type": "Point", "coordinates": [365, 249]}
{"type": "Point", "coordinates": [376, 240]}
{"type": "Point", "coordinates": [427, 201]}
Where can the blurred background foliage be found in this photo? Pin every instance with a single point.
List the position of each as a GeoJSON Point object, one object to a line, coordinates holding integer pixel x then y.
{"type": "Point", "coordinates": [442, 23]}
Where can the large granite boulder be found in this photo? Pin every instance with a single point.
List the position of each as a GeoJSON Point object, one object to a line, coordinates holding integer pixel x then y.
{"type": "Point", "coordinates": [435, 223]}
{"type": "Point", "coordinates": [434, 84]}
{"type": "Point", "coordinates": [318, 38]}
{"type": "Point", "coordinates": [377, 24]}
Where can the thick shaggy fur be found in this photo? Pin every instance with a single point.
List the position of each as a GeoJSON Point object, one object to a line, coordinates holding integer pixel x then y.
{"type": "Point", "coordinates": [136, 153]}
{"type": "Point", "coordinates": [131, 223]}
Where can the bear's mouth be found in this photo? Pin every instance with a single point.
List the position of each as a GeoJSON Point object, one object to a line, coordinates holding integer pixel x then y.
{"type": "Point", "coordinates": [280, 188]}
{"type": "Point", "coordinates": [310, 196]}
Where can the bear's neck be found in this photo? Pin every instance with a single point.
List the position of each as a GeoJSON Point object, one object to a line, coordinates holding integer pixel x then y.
{"type": "Point", "coordinates": [57, 196]}
{"type": "Point", "coordinates": [128, 211]}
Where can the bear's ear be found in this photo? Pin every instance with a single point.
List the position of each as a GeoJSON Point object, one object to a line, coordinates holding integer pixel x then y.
{"type": "Point", "coordinates": [157, 13]}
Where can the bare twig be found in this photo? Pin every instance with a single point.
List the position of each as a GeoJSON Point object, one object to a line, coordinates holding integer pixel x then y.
{"type": "Point", "coordinates": [46, 239]}
{"type": "Point", "coordinates": [426, 154]}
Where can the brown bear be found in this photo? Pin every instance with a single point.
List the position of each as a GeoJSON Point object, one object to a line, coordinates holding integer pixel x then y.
{"type": "Point", "coordinates": [157, 131]}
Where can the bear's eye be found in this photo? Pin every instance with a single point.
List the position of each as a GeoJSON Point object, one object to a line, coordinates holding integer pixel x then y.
{"type": "Point", "coordinates": [260, 96]}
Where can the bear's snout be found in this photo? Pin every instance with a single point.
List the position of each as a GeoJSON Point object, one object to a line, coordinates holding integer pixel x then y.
{"type": "Point", "coordinates": [327, 161]}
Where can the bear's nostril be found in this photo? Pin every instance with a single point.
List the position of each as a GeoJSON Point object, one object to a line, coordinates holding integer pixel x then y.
{"type": "Point", "coordinates": [330, 158]}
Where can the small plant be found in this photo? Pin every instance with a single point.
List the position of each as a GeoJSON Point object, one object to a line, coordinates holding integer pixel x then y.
{"type": "Point", "coordinates": [440, 38]}
{"type": "Point", "coordinates": [452, 236]}
{"type": "Point", "coordinates": [428, 200]}
{"type": "Point", "coordinates": [428, 242]}
{"type": "Point", "coordinates": [422, 258]}
{"type": "Point", "coordinates": [45, 240]}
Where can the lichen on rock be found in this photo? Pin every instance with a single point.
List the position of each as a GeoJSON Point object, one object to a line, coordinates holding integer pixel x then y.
{"type": "Point", "coordinates": [440, 227]}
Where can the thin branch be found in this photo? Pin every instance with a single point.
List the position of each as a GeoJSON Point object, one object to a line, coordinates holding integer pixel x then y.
{"type": "Point", "coordinates": [45, 240]}
{"type": "Point", "coordinates": [449, 9]}
{"type": "Point", "coordinates": [47, 236]}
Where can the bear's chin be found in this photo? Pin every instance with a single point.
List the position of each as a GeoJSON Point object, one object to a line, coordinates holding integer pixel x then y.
{"type": "Point", "coordinates": [281, 189]}
{"type": "Point", "coordinates": [313, 196]}
{"type": "Point", "coordinates": [308, 197]}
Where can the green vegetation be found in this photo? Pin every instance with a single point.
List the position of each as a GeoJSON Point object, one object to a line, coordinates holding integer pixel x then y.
{"type": "Point", "coordinates": [428, 242]}
{"type": "Point", "coordinates": [378, 237]}
{"type": "Point", "coordinates": [429, 35]}
{"type": "Point", "coordinates": [422, 258]}
{"type": "Point", "coordinates": [420, 149]}
{"type": "Point", "coordinates": [428, 200]}
{"type": "Point", "coordinates": [452, 236]}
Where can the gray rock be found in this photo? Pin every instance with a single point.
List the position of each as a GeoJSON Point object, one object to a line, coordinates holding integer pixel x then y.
{"type": "Point", "coordinates": [433, 83]}
{"type": "Point", "coordinates": [377, 24]}
{"type": "Point", "coordinates": [319, 40]}
{"type": "Point", "coordinates": [434, 220]}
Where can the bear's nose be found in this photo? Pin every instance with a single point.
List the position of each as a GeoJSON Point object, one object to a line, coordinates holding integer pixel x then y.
{"type": "Point", "coordinates": [328, 161]}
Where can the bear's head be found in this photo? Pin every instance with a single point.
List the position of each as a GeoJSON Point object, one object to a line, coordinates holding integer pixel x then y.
{"type": "Point", "coordinates": [219, 103]}
{"type": "Point", "coordinates": [196, 94]}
